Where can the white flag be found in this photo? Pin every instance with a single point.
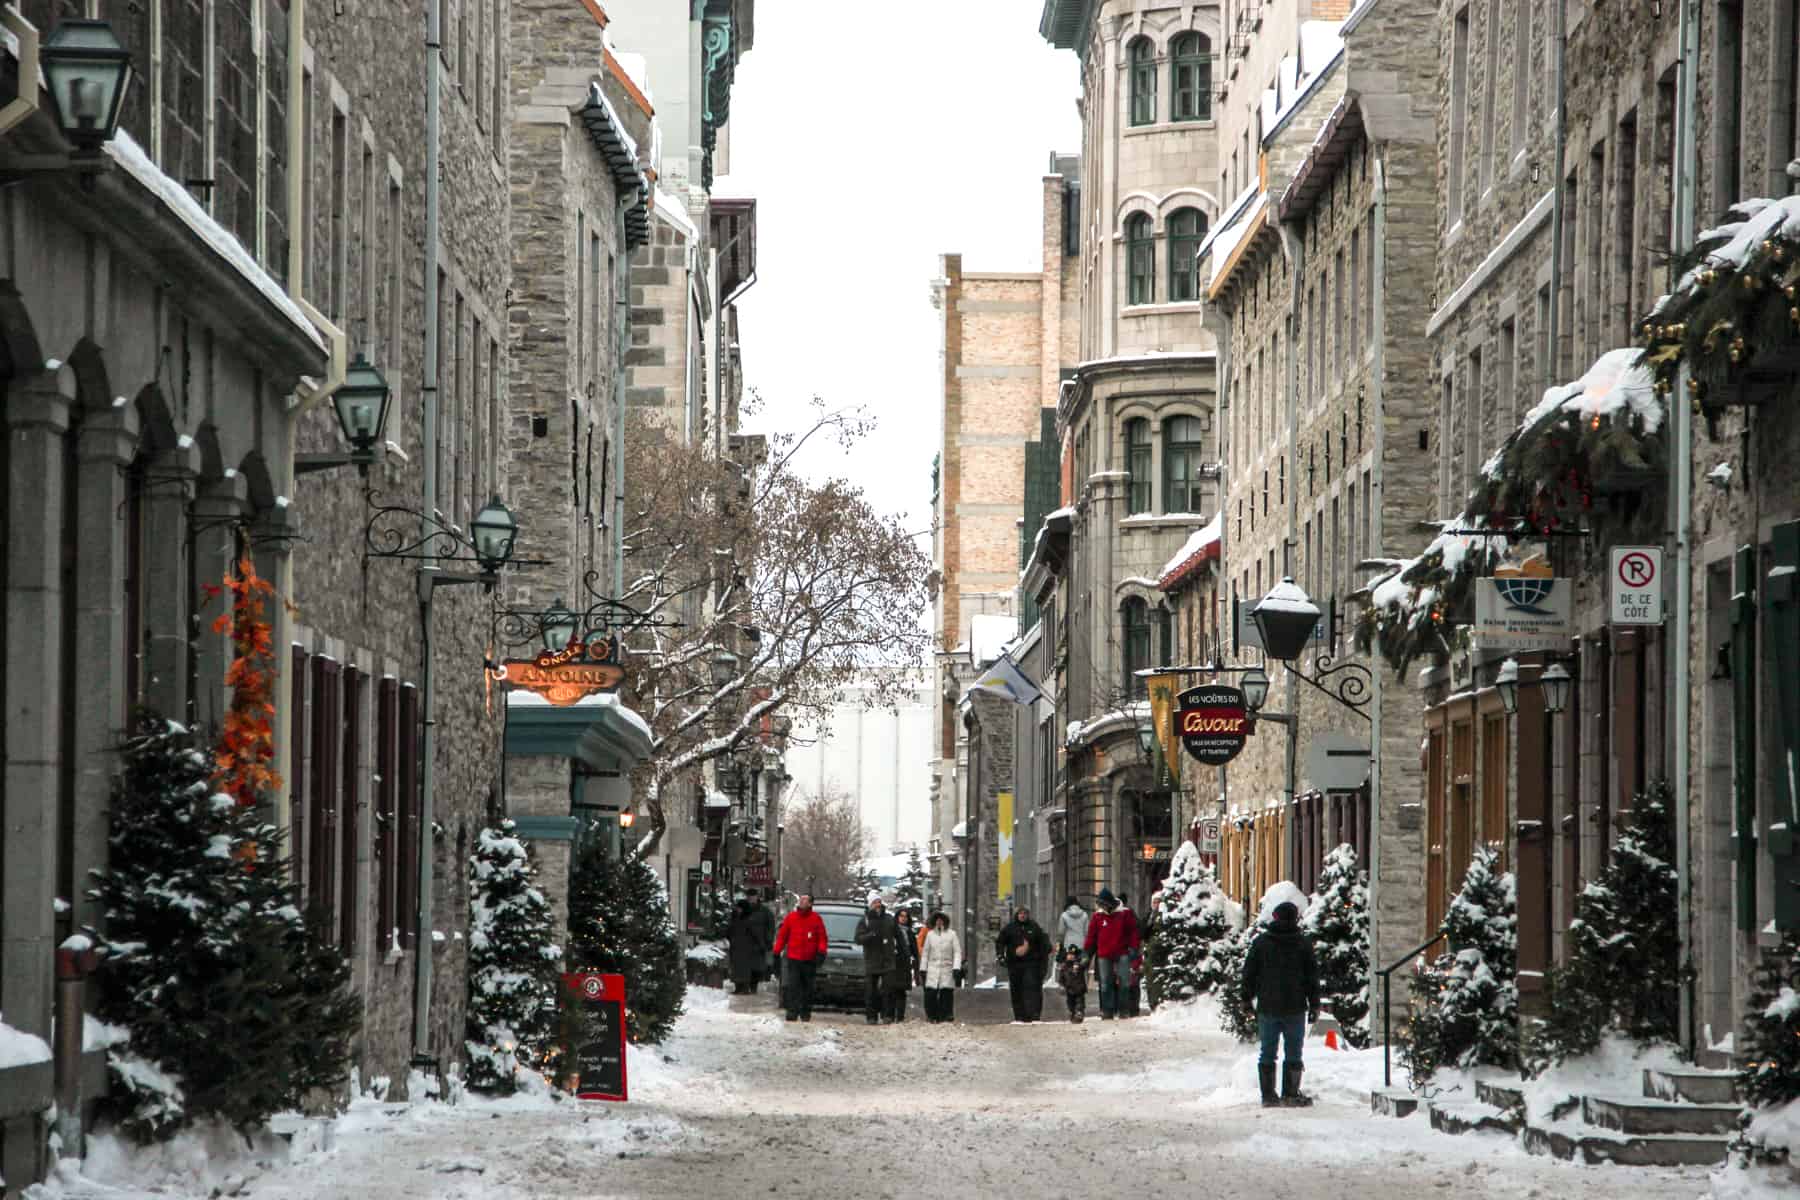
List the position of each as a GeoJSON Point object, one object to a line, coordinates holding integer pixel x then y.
{"type": "Point", "coordinates": [1003, 678]}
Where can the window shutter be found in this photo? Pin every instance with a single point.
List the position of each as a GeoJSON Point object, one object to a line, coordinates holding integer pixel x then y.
{"type": "Point", "coordinates": [386, 833]}
{"type": "Point", "coordinates": [1781, 618]}
{"type": "Point", "coordinates": [297, 739]}
{"type": "Point", "coordinates": [1743, 729]}
{"type": "Point", "coordinates": [349, 832]}
{"type": "Point", "coordinates": [407, 874]}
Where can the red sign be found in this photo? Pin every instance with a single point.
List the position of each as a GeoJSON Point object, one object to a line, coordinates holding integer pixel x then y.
{"type": "Point", "coordinates": [599, 1057]}
{"type": "Point", "coordinates": [1213, 722]}
{"type": "Point", "coordinates": [760, 875]}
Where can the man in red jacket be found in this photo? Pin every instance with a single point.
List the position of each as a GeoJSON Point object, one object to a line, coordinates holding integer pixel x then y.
{"type": "Point", "coordinates": [1112, 941]}
{"type": "Point", "coordinates": [801, 941]}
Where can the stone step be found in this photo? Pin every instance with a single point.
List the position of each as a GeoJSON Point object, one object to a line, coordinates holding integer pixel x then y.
{"type": "Point", "coordinates": [1696, 1085]}
{"type": "Point", "coordinates": [1393, 1102]}
{"type": "Point", "coordinates": [1508, 1096]}
{"type": "Point", "coordinates": [1708, 1059]}
{"type": "Point", "coordinates": [1470, 1116]}
{"type": "Point", "coordinates": [1637, 1115]}
{"type": "Point", "coordinates": [1649, 1150]}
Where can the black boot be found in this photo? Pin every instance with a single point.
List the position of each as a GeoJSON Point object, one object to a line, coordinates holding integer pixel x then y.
{"type": "Point", "coordinates": [1291, 1096]}
{"type": "Point", "coordinates": [1265, 1075]}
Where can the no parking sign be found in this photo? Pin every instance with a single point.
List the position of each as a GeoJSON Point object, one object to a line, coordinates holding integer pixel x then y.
{"type": "Point", "coordinates": [1635, 581]}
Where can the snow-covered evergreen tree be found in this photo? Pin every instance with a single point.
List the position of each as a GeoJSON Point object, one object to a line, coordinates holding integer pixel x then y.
{"type": "Point", "coordinates": [1194, 916]}
{"type": "Point", "coordinates": [1223, 975]}
{"type": "Point", "coordinates": [1466, 1010]}
{"type": "Point", "coordinates": [1772, 1028]}
{"type": "Point", "coordinates": [236, 1006]}
{"type": "Point", "coordinates": [1623, 971]}
{"type": "Point", "coordinates": [514, 963]}
{"type": "Point", "coordinates": [1337, 920]}
{"type": "Point", "coordinates": [867, 883]}
{"type": "Point", "coordinates": [910, 892]}
{"type": "Point", "coordinates": [619, 922]}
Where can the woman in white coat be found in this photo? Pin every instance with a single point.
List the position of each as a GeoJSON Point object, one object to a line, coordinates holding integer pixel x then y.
{"type": "Point", "coordinates": [942, 964]}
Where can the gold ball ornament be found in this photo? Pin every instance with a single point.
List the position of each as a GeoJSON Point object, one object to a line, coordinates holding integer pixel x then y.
{"type": "Point", "coordinates": [1708, 277]}
{"type": "Point", "coordinates": [1751, 282]}
{"type": "Point", "coordinates": [1739, 349]}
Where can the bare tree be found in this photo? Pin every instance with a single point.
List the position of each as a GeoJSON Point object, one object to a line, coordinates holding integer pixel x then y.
{"type": "Point", "coordinates": [823, 842]}
{"type": "Point", "coordinates": [785, 589]}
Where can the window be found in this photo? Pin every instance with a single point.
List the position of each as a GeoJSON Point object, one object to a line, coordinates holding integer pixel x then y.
{"type": "Point", "coordinates": [1143, 82]}
{"type": "Point", "coordinates": [1182, 485]}
{"type": "Point", "coordinates": [336, 300]}
{"type": "Point", "coordinates": [364, 333]}
{"type": "Point", "coordinates": [1489, 90]}
{"type": "Point", "coordinates": [1137, 463]}
{"type": "Point", "coordinates": [1337, 317]}
{"type": "Point", "coordinates": [1459, 115]}
{"type": "Point", "coordinates": [1355, 294]}
{"type": "Point", "coordinates": [1192, 78]}
{"type": "Point", "coordinates": [1140, 259]}
{"type": "Point", "coordinates": [396, 263]}
{"type": "Point", "coordinates": [1134, 621]}
{"type": "Point", "coordinates": [1784, 129]}
{"type": "Point", "coordinates": [1728, 97]}
{"type": "Point", "coordinates": [1506, 401]}
{"type": "Point", "coordinates": [1523, 50]}
{"type": "Point", "coordinates": [1187, 229]}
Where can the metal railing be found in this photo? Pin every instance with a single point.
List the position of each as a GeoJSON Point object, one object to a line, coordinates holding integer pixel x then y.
{"type": "Point", "coordinates": [1387, 1006]}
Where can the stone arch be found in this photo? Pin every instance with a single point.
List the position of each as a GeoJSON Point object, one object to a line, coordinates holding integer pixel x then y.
{"type": "Point", "coordinates": [212, 458]}
{"type": "Point", "coordinates": [1133, 203]}
{"type": "Point", "coordinates": [1189, 197]}
{"type": "Point", "coordinates": [93, 381]}
{"type": "Point", "coordinates": [156, 422]}
{"type": "Point", "coordinates": [20, 351]}
{"type": "Point", "coordinates": [257, 480]}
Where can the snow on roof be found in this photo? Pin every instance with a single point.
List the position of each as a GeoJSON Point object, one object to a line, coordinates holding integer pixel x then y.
{"type": "Point", "coordinates": [636, 68]}
{"type": "Point", "coordinates": [522, 699]}
{"type": "Point", "coordinates": [716, 799]}
{"type": "Point", "coordinates": [1321, 45]}
{"type": "Point", "coordinates": [131, 157]}
{"type": "Point", "coordinates": [1225, 242]}
{"type": "Point", "coordinates": [989, 633]}
{"type": "Point", "coordinates": [1287, 596]}
{"type": "Point", "coordinates": [1203, 544]}
{"type": "Point", "coordinates": [961, 830]}
{"type": "Point", "coordinates": [18, 1048]}
{"type": "Point", "coordinates": [1139, 359]}
{"type": "Point", "coordinates": [675, 213]}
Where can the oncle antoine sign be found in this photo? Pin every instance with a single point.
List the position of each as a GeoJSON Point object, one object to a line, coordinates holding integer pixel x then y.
{"type": "Point", "coordinates": [1213, 722]}
{"type": "Point", "coordinates": [578, 670]}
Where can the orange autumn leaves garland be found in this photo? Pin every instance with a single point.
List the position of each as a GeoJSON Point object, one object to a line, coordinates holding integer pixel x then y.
{"type": "Point", "coordinates": [246, 751]}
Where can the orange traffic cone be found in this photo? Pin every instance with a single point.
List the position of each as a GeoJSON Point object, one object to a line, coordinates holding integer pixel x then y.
{"type": "Point", "coordinates": [1331, 1040]}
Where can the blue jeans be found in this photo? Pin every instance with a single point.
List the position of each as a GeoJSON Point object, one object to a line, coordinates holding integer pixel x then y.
{"type": "Point", "coordinates": [1115, 977]}
{"type": "Point", "coordinates": [1292, 1030]}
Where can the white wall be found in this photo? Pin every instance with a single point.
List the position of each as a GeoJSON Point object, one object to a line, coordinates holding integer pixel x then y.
{"type": "Point", "coordinates": [881, 757]}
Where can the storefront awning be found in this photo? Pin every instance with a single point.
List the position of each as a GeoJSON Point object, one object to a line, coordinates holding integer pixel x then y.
{"type": "Point", "coordinates": [598, 731]}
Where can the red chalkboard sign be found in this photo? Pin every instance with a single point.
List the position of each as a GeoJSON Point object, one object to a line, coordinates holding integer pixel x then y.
{"type": "Point", "coordinates": [598, 1055]}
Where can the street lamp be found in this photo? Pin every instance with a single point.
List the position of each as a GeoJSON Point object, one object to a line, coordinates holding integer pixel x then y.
{"type": "Point", "coordinates": [87, 72]}
{"type": "Point", "coordinates": [493, 531]}
{"type": "Point", "coordinates": [1556, 687]}
{"type": "Point", "coordinates": [1506, 681]}
{"type": "Point", "coordinates": [361, 403]}
{"type": "Point", "coordinates": [559, 627]}
{"type": "Point", "coordinates": [724, 667]}
{"type": "Point", "coordinates": [1256, 688]}
{"type": "Point", "coordinates": [1285, 618]}
{"type": "Point", "coordinates": [627, 819]}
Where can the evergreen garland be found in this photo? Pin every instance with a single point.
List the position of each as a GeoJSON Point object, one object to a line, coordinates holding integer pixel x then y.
{"type": "Point", "coordinates": [1337, 920]}
{"type": "Point", "coordinates": [619, 922]}
{"type": "Point", "coordinates": [237, 1007]}
{"type": "Point", "coordinates": [514, 963]}
{"type": "Point", "coordinates": [1193, 918]}
{"type": "Point", "coordinates": [1466, 1001]}
{"type": "Point", "coordinates": [1623, 971]}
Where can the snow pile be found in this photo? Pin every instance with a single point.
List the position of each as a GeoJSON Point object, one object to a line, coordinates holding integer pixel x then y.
{"type": "Point", "coordinates": [1284, 892]}
{"type": "Point", "coordinates": [18, 1048]}
{"type": "Point", "coordinates": [1774, 1128]}
{"type": "Point", "coordinates": [1756, 221]}
{"type": "Point", "coordinates": [707, 953]}
{"type": "Point", "coordinates": [1616, 1068]}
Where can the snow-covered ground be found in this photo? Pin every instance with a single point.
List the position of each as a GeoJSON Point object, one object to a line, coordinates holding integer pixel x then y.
{"type": "Point", "coordinates": [741, 1103]}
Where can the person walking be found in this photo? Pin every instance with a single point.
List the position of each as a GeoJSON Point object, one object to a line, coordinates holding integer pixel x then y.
{"type": "Point", "coordinates": [941, 962]}
{"type": "Point", "coordinates": [879, 937]}
{"type": "Point", "coordinates": [1071, 926]}
{"type": "Point", "coordinates": [906, 962]}
{"type": "Point", "coordinates": [762, 924]}
{"type": "Point", "coordinates": [1025, 952]}
{"type": "Point", "coordinates": [1281, 978]}
{"type": "Point", "coordinates": [744, 947]}
{"type": "Point", "coordinates": [1071, 976]}
{"type": "Point", "coordinates": [1112, 941]}
{"type": "Point", "coordinates": [802, 940]}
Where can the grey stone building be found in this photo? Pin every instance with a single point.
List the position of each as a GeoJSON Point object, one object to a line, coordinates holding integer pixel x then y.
{"type": "Point", "coordinates": [1137, 418]}
{"type": "Point", "coordinates": [1318, 284]}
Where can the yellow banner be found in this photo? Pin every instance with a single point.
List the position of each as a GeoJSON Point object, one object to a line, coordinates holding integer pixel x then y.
{"type": "Point", "coordinates": [1163, 689]}
{"type": "Point", "coordinates": [1003, 885]}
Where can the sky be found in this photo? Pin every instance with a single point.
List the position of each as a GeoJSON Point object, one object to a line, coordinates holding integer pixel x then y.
{"type": "Point", "coordinates": [873, 143]}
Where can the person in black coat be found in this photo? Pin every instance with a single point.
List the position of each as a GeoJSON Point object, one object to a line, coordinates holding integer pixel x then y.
{"type": "Point", "coordinates": [879, 938]}
{"type": "Point", "coordinates": [746, 949]}
{"type": "Point", "coordinates": [762, 924]}
{"type": "Point", "coordinates": [1281, 978]}
{"type": "Point", "coordinates": [1025, 952]}
{"type": "Point", "coordinates": [906, 962]}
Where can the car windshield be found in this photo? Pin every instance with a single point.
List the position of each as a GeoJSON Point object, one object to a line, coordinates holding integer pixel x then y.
{"type": "Point", "coordinates": [840, 926]}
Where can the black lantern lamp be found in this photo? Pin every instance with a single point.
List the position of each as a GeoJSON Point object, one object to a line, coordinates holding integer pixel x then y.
{"type": "Point", "coordinates": [724, 667]}
{"type": "Point", "coordinates": [1506, 682]}
{"type": "Point", "coordinates": [362, 405]}
{"type": "Point", "coordinates": [87, 72]}
{"type": "Point", "coordinates": [493, 531]}
{"type": "Point", "coordinates": [559, 627]}
{"type": "Point", "coordinates": [1256, 688]}
{"type": "Point", "coordinates": [1285, 619]}
{"type": "Point", "coordinates": [1556, 687]}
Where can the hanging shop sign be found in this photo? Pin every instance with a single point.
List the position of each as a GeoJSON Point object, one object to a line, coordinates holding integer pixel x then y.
{"type": "Point", "coordinates": [1523, 608]}
{"type": "Point", "coordinates": [759, 874]}
{"type": "Point", "coordinates": [1214, 722]}
{"type": "Point", "coordinates": [579, 670]}
{"type": "Point", "coordinates": [598, 1056]}
{"type": "Point", "coordinates": [1163, 689]}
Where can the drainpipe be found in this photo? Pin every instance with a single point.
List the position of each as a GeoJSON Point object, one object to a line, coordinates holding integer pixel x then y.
{"type": "Point", "coordinates": [1682, 468]}
{"type": "Point", "coordinates": [428, 570]}
{"type": "Point", "coordinates": [622, 321]}
{"type": "Point", "coordinates": [1295, 251]}
{"type": "Point", "coordinates": [1377, 480]}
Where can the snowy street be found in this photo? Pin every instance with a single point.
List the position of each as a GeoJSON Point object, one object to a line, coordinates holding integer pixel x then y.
{"type": "Point", "coordinates": [742, 1103]}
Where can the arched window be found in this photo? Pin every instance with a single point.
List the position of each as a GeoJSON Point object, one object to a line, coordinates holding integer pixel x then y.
{"type": "Point", "coordinates": [1140, 260]}
{"type": "Point", "coordinates": [1183, 443]}
{"type": "Point", "coordinates": [1187, 229]}
{"type": "Point", "coordinates": [1143, 82]}
{"type": "Point", "coordinates": [1191, 78]}
{"type": "Point", "coordinates": [1134, 627]}
{"type": "Point", "coordinates": [1137, 462]}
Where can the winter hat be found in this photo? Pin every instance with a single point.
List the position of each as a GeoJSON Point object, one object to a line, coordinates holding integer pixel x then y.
{"type": "Point", "coordinates": [1287, 911]}
{"type": "Point", "coordinates": [1106, 896]}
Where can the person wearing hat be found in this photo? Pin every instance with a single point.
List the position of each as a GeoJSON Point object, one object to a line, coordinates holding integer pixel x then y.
{"type": "Point", "coordinates": [1112, 942]}
{"type": "Point", "coordinates": [1281, 978]}
{"type": "Point", "coordinates": [1025, 953]}
{"type": "Point", "coordinates": [879, 937]}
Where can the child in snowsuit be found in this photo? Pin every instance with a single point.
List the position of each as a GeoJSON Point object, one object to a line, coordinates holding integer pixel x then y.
{"type": "Point", "coordinates": [1071, 977]}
